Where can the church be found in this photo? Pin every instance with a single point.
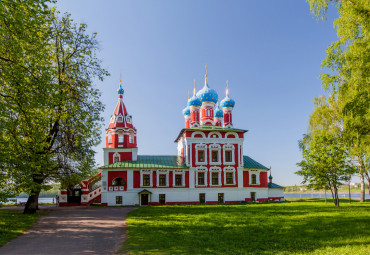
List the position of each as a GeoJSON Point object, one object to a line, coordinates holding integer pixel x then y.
{"type": "Point", "coordinates": [210, 166]}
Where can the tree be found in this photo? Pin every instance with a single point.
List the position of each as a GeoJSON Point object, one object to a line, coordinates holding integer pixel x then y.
{"type": "Point", "coordinates": [324, 163]}
{"type": "Point", "coordinates": [348, 60]}
{"type": "Point", "coordinates": [49, 109]}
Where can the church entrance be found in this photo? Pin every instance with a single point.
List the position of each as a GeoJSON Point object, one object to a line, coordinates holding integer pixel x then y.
{"type": "Point", "coordinates": [144, 199]}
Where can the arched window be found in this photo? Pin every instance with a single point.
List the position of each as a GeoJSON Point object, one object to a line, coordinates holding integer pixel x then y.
{"type": "Point", "coordinates": [132, 138]}
{"type": "Point", "coordinates": [254, 179]}
{"type": "Point", "coordinates": [118, 182]}
{"type": "Point", "coordinates": [120, 137]}
{"type": "Point", "coordinates": [109, 137]}
{"type": "Point", "coordinates": [116, 157]}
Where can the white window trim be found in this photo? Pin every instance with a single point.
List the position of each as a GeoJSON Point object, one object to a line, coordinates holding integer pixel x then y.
{"type": "Point", "coordinates": [257, 173]}
{"type": "Point", "coordinates": [229, 170]}
{"type": "Point", "coordinates": [201, 170]}
{"type": "Point", "coordinates": [115, 155]}
{"type": "Point", "coordinates": [110, 138]}
{"type": "Point", "coordinates": [215, 147]}
{"type": "Point", "coordinates": [200, 147]}
{"type": "Point", "coordinates": [165, 172]}
{"type": "Point", "coordinates": [128, 119]}
{"type": "Point", "coordinates": [150, 172]}
{"type": "Point", "coordinates": [229, 147]}
{"type": "Point", "coordinates": [119, 118]}
{"type": "Point", "coordinates": [178, 172]}
{"type": "Point", "coordinates": [131, 138]}
{"type": "Point", "coordinates": [215, 169]}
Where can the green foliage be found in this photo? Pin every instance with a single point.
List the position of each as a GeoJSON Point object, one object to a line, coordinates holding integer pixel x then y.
{"type": "Point", "coordinates": [13, 223]}
{"type": "Point", "coordinates": [49, 108]}
{"type": "Point", "coordinates": [272, 228]}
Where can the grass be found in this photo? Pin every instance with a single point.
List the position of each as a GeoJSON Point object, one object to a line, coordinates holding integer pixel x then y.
{"type": "Point", "coordinates": [13, 223]}
{"type": "Point", "coordinates": [273, 228]}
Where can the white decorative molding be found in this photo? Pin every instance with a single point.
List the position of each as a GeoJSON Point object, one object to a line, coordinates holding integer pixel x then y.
{"type": "Point", "coordinates": [214, 147]}
{"type": "Point", "coordinates": [215, 169]}
{"type": "Point", "coordinates": [229, 147]}
{"type": "Point", "coordinates": [178, 172]}
{"type": "Point", "coordinates": [229, 169]}
{"type": "Point", "coordinates": [257, 173]}
{"type": "Point", "coordinates": [231, 133]}
{"type": "Point", "coordinates": [198, 133]}
{"type": "Point", "coordinates": [214, 135]}
{"type": "Point", "coordinates": [163, 172]}
{"type": "Point", "coordinates": [201, 169]}
{"type": "Point", "coordinates": [150, 173]}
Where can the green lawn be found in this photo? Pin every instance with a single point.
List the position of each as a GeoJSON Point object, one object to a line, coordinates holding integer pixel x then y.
{"type": "Point", "coordinates": [271, 228]}
{"type": "Point", "coordinates": [13, 223]}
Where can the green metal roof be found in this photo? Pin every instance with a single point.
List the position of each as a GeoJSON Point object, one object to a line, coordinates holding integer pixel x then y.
{"type": "Point", "coordinates": [162, 162]}
{"type": "Point", "coordinates": [252, 164]}
{"type": "Point", "coordinates": [275, 186]}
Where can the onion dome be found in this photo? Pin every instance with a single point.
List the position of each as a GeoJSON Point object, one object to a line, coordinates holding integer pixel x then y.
{"type": "Point", "coordinates": [186, 111]}
{"type": "Point", "coordinates": [120, 90]}
{"type": "Point", "coordinates": [270, 177]}
{"type": "Point", "coordinates": [227, 101]}
{"type": "Point", "coordinates": [194, 101]}
{"type": "Point", "coordinates": [218, 112]}
{"type": "Point", "coordinates": [206, 94]}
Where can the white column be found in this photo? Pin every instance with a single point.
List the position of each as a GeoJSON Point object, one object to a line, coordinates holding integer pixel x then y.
{"type": "Point", "coordinates": [240, 178]}
{"type": "Point", "coordinates": [130, 179]}
{"type": "Point", "coordinates": [191, 178]}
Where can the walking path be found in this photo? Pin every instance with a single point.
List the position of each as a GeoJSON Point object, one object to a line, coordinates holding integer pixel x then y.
{"type": "Point", "coordinates": [73, 230]}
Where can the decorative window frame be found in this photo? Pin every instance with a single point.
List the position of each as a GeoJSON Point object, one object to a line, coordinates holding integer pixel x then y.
{"type": "Point", "coordinates": [257, 173]}
{"type": "Point", "coordinates": [150, 173]}
{"type": "Point", "coordinates": [229, 169]}
{"type": "Point", "coordinates": [229, 147]}
{"type": "Point", "coordinates": [201, 169]}
{"type": "Point", "coordinates": [178, 172]}
{"type": "Point", "coordinates": [121, 136]}
{"type": "Point", "coordinates": [165, 172]}
{"type": "Point", "coordinates": [214, 147]}
{"type": "Point", "coordinates": [198, 133]}
{"type": "Point", "coordinates": [218, 170]}
{"type": "Point", "coordinates": [119, 118]}
{"type": "Point", "coordinates": [116, 154]}
{"type": "Point", "coordinates": [131, 137]}
{"type": "Point", "coordinates": [110, 137]}
{"type": "Point", "coordinates": [128, 119]}
{"type": "Point", "coordinates": [199, 147]}
{"type": "Point", "coordinates": [218, 135]}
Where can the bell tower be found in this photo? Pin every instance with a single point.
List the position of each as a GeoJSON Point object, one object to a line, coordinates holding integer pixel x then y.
{"type": "Point", "coordinates": [120, 136]}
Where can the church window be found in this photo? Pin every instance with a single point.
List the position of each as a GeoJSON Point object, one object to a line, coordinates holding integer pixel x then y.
{"type": "Point", "coordinates": [120, 119]}
{"type": "Point", "coordinates": [229, 178]}
{"type": "Point", "coordinates": [132, 138]}
{"type": "Point", "coordinates": [109, 137]}
{"type": "Point", "coordinates": [201, 179]}
{"type": "Point", "coordinates": [120, 137]}
{"type": "Point", "coordinates": [201, 156]}
{"type": "Point", "coordinates": [214, 178]}
{"type": "Point", "coordinates": [118, 200]}
{"type": "Point", "coordinates": [162, 180]}
{"type": "Point", "coordinates": [228, 156]}
{"type": "Point", "coordinates": [118, 182]}
{"type": "Point", "coordinates": [162, 199]}
{"type": "Point", "coordinates": [146, 180]}
{"type": "Point", "coordinates": [202, 198]}
{"type": "Point", "coordinates": [254, 179]}
{"type": "Point", "coordinates": [214, 156]}
{"type": "Point", "coordinates": [178, 179]}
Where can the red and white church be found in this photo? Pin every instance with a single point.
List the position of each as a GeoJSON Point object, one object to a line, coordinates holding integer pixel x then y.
{"type": "Point", "coordinates": [209, 168]}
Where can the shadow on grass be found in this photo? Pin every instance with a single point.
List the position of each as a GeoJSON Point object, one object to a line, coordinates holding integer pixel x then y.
{"type": "Point", "coordinates": [279, 228]}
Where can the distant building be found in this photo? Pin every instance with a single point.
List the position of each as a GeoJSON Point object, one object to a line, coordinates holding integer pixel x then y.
{"type": "Point", "coordinates": [209, 167]}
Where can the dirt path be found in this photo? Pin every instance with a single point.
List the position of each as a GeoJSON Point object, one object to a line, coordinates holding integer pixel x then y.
{"type": "Point", "coordinates": [73, 230]}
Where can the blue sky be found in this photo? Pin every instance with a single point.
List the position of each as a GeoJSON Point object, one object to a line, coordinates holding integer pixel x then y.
{"type": "Point", "coordinates": [270, 51]}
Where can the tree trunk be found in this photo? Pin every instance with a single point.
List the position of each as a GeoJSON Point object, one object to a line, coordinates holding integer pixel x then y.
{"type": "Point", "coordinates": [368, 181]}
{"type": "Point", "coordinates": [362, 197]}
{"type": "Point", "coordinates": [325, 197]}
{"type": "Point", "coordinates": [32, 203]}
{"type": "Point", "coordinates": [349, 190]}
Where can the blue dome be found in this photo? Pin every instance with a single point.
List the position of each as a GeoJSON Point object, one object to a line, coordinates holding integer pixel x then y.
{"type": "Point", "coordinates": [218, 112]}
{"type": "Point", "coordinates": [206, 94]}
{"type": "Point", "coordinates": [120, 90]}
{"type": "Point", "coordinates": [194, 101]}
{"type": "Point", "coordinates": [186, 111]}
{"type": "Point", "coordinates": [227, 102]}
